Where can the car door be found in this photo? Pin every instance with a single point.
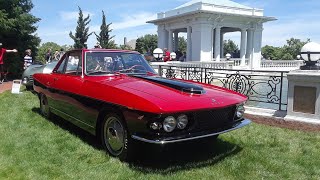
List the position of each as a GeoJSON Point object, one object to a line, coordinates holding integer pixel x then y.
{"type": "Point", "coordinates": [67, 82]}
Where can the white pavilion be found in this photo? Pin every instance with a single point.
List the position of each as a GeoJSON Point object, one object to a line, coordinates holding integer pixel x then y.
{"type": "Point", "coordinates": [206, 22]}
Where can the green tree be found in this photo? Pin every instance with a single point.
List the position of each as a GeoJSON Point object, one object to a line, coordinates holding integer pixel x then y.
{"type": "Point", "coordinates": [139, 45]}
{"type": "Point", "coordinates": [230, 46]}
{"type": "Point", "coordinates": [147, 43]}
{"type": "Point", "coordinates": [82, 31]}
{"type": "Point", "coordinates": [286, 52]}
{"type": "Point", "coordinates": [104, 37]}
{"type": "Point", "coordinates": [182, 44]}
{"type": "Point", "coordinates": [124, 47]}
{"type": "Point", "coordinates": [17, 30]}
{"type": "Point", "coordinates": [272, 53]}
{"type": "Point", "coordinates": [293, 48]}
{"type": "Point", "coordinates": [42, 50]}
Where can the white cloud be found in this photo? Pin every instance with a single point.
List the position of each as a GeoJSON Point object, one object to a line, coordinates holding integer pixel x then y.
{"type": "Point", "coordinates": [299, 26]}
{"type": "Point", "coordinates": [133, 20]}
{"type": "Point", "coordinates": [68, 16]}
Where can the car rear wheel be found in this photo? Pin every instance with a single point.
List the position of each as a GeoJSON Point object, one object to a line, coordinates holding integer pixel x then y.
{"type": "Point", "coordinates": [44, 106]}
{"type": "Point", "coordinates": [115, 138]}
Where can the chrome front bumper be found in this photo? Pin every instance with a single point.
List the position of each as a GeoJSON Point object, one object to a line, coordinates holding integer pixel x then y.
{"type": "Point", "coordinates": [236, 126]}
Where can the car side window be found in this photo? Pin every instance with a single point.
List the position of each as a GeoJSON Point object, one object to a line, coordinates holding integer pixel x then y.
{"type": "Point", "coordinates": [62, 65]}
{"type": "Point", "coordinates": [74, 64]}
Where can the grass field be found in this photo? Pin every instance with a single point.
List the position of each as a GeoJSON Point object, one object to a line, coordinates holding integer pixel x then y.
{"type": "Point", "coordinates": [32, 147]}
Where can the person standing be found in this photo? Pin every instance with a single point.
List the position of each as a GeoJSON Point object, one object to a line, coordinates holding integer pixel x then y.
{"type": "Point", "coordinates": [27, 59]}
{"type": "Point", "coordinates": [183, 57]}
{"type": "Point", "coordinates": [166, 56]}
{"type": "Point", "coordinates": [48, 56]}
{"type": "Point", "coordinates": [61, 52]}
{"type": "Point", "coordinates": [56, 56]}
{"type": "Point", "coordinates": [2, 53]}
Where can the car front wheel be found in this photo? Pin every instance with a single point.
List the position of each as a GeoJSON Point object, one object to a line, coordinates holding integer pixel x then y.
{"type": "Point", "coordinates": [115, 138]}
{"type": "Point", "coordinates": [44, 106]}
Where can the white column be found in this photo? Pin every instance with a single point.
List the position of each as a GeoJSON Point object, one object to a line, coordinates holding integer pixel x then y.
{"type": "Point", "coordinates": [176, 41]}
{"type": "Point", "coordinates": [250, 47]}
{"type": "Point", "coordinates": [217, 44]}
{"type": "Point", "coordinates": [249, 43]}
{"type": "Point", "coordinates": [256, 55]}
{"type": "Point", "coordinates": [161, 37]}
{"type": "Point", "coordinates": [213, 42]}
{"type": "Point", "coordinates": [189, 44]}
{"type": "Point", "coordinates": [202, 42]}
{"type": "Point", "coordinates": [243, 47]}
{"type": "Point", "coordinates": [170, 40]}
{"type": "Point", "coordinates": [166, 39]}
{"type": "Point", "coordinates": [221, 45]}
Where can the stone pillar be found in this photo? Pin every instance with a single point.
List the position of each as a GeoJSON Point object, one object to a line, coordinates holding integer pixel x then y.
{"type": "Point", "coordinates": [202, 42]}
{"type": "Point", "coordinates": [166, 39]}
{"type": "Point", "coordinates": [217, 44]}
{"type": "Point", "coordinates": [249, 46]}
{"type": "Point", "coordinates": [161, 37]}
{"type": "Point", "coordinates": [189, 44]}
{"type": "Point", "coordinates": [243, 47]}
{"type": "Point", "coordinates": [176, 41]}
{"type": "Point", "coordinates": [256, 54]}
{"type": "Point", "coordinates": [170, 40]}
{"type": "Point", "coordinates": [304, 96]}
{"type": "Point", "coordinates": [221, 45]}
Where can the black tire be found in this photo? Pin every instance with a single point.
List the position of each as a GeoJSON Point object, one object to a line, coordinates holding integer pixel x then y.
{"type": "Point", "coordinates": [44, 106]}
{"type": "Point", "coordinates": [115, 137]}
{"type": "Point", "coordinates": [29, 88]}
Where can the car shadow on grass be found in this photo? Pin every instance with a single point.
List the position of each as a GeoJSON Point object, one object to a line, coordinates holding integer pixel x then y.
{"type": "Point", "coordinates": [163, 159]}
{"type": "Point", "coordinates": [74, 130]}
{"type": "Point", "coordinates": [182, 156]}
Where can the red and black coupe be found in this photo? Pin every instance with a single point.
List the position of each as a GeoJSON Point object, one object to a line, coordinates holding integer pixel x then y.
{"type": "Point", "coordinates": [117, 96]}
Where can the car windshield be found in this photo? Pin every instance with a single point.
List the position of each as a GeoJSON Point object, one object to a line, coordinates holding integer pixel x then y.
{"type": "Point", "coordinates": [98, 63]}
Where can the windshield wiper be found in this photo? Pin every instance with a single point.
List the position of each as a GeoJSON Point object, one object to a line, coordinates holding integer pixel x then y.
{"type": "Point", "coordinates": [99, 72]}
{"type": "Point", "coordinates": [134, 70]}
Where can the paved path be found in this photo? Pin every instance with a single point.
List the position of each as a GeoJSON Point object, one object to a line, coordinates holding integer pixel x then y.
{"type": "Point", "coordinates": [5, 86]}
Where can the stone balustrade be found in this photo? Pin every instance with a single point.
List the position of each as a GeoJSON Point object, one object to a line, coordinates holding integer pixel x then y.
{"type": "Point", "coordinates": [281, 63]}
{"type": "Point", "coordinates": [235, 63]}
{"type": "Point", "coordinates": [213, 65]}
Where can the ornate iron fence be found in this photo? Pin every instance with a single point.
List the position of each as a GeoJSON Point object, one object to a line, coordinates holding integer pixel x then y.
{"type": "Point", "coordinates": [268, 87]}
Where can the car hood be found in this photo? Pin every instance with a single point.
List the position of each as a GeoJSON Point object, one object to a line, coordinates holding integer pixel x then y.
{"type": "Point", "coordinates": [165, 95]}
{"type": "Point", "coordinates": [31, 70]}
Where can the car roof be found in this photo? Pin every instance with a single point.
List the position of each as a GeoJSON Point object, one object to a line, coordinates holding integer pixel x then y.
{"type": "Point", "coordinates": [104, 50]}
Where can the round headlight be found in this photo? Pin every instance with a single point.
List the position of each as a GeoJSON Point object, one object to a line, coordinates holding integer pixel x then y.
{"type": "Point", "coordinates": [169, 124]}
{"type": "Point", "coordinates": [25, 80]}
{"type": "Point", "coordinates": [182, 121]}
{"type": "Point", "coordinates": [240, 111]}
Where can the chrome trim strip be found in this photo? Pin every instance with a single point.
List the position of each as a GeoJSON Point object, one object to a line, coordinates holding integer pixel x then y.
{"type": "Point", "coordinates": [76, 119]}
{"type": "Point", "coordinates": [240, 125]}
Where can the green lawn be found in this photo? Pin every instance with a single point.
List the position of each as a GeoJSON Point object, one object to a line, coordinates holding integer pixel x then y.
{"type": "Point", "coordinates": [32, 147]}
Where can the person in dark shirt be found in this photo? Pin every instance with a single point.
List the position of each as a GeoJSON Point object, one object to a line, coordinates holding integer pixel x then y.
{"type": "Point", "coordinates": [48, 56]}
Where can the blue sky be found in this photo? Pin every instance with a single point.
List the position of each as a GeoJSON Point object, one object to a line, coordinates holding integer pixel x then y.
{"type": "Point", "coordinates": [296, 18]}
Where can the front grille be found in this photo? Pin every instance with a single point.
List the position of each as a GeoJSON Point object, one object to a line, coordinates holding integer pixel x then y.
{"type": "Point", "coordinates": [31, 79]}
{"type": "Point", "coordinates": [214, 119]}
